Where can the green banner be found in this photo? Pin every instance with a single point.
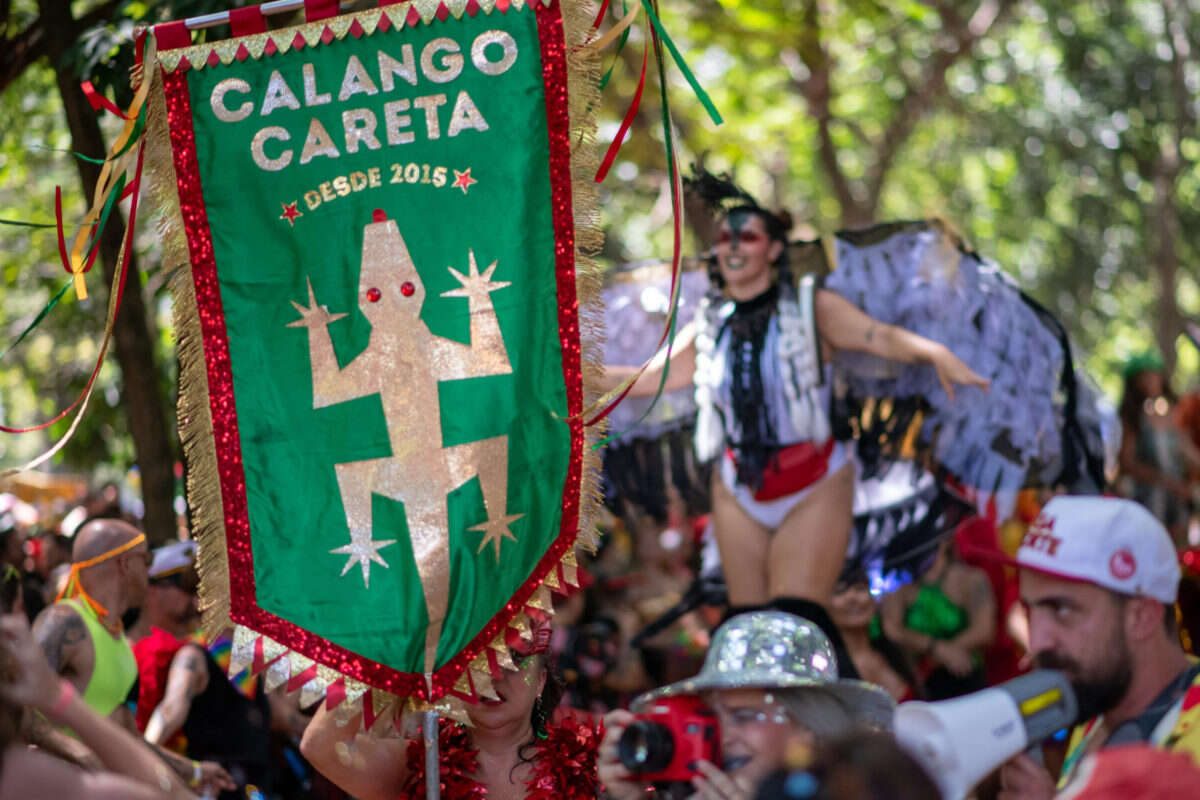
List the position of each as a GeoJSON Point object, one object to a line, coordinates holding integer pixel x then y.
{"type": "Point", "coordinates": [378, 277]}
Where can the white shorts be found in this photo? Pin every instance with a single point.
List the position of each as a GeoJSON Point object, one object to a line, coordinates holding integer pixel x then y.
{"type": "Point", "coordinates": [771, 513]}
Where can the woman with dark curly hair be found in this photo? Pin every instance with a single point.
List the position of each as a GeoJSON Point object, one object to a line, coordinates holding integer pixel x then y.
{"type": "Point", "coordinates": [513, 749]}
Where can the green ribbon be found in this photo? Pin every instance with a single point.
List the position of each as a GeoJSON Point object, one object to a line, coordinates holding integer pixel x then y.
{"type": "Point", "coordinates": [23, 224]}
{"type": "Point", "coordinates": [109, 203]}
{"type": "Point", "coordinates": [701, 95]}
{"type": "Point", "coordinates": [78, 155]}
{"type": "Point", "coordinates": [138, 127]}
{"type": "Point", "coordinates": [673, 311]}
{"type": "Point", "coordinates": [38, 319]}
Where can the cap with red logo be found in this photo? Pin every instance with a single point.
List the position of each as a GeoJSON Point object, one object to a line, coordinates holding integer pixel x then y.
{"type": "Point", "coordinates": [1113, 543]}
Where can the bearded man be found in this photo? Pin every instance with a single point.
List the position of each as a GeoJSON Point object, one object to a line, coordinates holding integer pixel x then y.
{"type": "Point", "coordinates": [1098, 577]}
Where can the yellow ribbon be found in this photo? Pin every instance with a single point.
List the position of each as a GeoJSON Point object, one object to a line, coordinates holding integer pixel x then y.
{"type": "Point", "coordinates": [616, 30]}
{"type": "Point", "coordinates": [74, 586]}
{"type": "Point", "coordinates": [109, 175]}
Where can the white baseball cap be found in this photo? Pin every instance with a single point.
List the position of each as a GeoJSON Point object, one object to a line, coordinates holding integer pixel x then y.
{"type": "Point", "coordinates": [172, 558]}
{"type": "Point", "coordinates": [1108, 541]}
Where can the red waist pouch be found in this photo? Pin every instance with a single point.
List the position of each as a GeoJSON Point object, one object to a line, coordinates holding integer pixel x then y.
{"type": "Point", "coordinates": [794, 468]}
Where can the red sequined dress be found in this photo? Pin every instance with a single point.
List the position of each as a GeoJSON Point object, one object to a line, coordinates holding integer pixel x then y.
{"type": "Point", "coordinates": [564, 764]}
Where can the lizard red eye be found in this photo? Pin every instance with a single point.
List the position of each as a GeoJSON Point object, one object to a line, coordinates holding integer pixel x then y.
{"type": "Point", "coordinates": [373, 295]}
{"type": "Point", "coordinates": [407, 289]}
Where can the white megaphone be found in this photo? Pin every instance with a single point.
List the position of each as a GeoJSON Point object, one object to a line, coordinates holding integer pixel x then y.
{"type": "Point", "coordinates": [960, 741]}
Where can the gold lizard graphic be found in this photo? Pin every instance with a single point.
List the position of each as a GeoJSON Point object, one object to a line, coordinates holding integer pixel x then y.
{"type": "Point", "coordinates": [403, 363]}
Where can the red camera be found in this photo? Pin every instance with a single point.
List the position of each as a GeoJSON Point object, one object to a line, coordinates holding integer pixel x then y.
{"type": "Point", "coordinates": [664, 743]}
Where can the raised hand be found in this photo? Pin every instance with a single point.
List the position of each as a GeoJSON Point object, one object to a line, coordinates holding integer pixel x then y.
{"type": "Point", "coordinates": [475, 287]}
{"type": "Point", "coordinates": [952, 371]}
{"type": "Point", "coordinates": [34, 683]}
{"type": "Point", "coordinates": [312, 315]}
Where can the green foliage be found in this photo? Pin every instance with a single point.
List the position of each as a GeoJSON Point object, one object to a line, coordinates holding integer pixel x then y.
{"type": "Point", "coordinates": [1043, 147]}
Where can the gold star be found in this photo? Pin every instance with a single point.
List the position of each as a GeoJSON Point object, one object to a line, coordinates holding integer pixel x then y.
{"type": "Point", "coordinates": [363, 550]}
{"type": "Point", "coordinates": [312, 315]}
{"type": "Point", "coordinates": [494, 531]}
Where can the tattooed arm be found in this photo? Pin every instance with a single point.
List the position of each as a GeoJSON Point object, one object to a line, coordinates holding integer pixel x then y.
{"type": "Point", "coordinates": [61, 634]}
{"type": "Point", "coordinates": [187, 679]}
{"type": "Point", "coordinates": [843, 326]}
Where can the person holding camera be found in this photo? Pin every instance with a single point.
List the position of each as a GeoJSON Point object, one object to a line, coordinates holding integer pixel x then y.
{"type": "Point", "coordinates": [769, 681]}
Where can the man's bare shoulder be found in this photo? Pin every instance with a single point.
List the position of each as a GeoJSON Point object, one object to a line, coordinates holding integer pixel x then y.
{"type": "Point", "coordinates": [59, 630]}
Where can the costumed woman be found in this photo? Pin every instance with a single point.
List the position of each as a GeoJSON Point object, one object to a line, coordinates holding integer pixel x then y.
{"type": "Point", "coordinates": [514, 749]}
{"type": "Point", "coordinates": [782, 492]}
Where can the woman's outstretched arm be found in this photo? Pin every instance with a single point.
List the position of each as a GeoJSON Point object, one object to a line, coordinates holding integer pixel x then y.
{"type": "Point", "coordinates": [682, 371]}
{"type": "Point", "coordinates": [843, 326]}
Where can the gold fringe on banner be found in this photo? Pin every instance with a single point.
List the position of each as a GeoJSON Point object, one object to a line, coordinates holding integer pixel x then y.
{"type": "Point", "coordinates": [282, 666]}
{"type": "Point", "coordinates": [194, 411]}
{"type": "Point", "coordinates": [583, 98]}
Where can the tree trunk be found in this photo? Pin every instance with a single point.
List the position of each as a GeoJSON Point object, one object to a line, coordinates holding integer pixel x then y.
{"type": "Point", "coordinates": [141, 392]}
{"type": "Point", "coordinates": [1166, 262]}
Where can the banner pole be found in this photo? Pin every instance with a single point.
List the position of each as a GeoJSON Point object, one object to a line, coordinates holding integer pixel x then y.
{"type": "Point", "coordinates": [429, 732]}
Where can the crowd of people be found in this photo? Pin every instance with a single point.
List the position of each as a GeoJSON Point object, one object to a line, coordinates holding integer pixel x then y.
{"type": "Point", "coordinates": [768, 712]}
{"type": "Point", "coordinates": [774, 673]}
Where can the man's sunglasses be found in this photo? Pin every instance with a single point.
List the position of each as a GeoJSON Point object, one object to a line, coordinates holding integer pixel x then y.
{"type": "Point", "coordinates": [179, 580]}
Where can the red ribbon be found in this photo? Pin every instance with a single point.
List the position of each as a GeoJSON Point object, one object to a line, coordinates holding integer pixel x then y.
{"type": "Point", "coordinates": [99, 101]}
{"type": "Point", "coordinates": [600, 16]}
{"type": "Point", "coordinates": [676, 220]}
{"type": "Point", "coordinates": [62, 241]}
{"type": "Point", "coordinates": [611, 155]}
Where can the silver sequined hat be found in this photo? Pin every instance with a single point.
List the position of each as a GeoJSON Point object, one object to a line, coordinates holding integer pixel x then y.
{"type": "Point", "coordinates": [775, 650]}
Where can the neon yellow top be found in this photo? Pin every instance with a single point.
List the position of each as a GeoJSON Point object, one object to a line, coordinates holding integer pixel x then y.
{"type": "Point", "coordinates": [114, 668]}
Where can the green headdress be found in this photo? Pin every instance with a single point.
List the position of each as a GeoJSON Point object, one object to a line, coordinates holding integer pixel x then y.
{"type": "Point", "coordinates": [1146, 361]}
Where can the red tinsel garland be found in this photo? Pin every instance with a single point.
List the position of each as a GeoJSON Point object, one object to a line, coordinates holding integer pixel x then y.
{"type": "Point", "coordinates": [564, 767]}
